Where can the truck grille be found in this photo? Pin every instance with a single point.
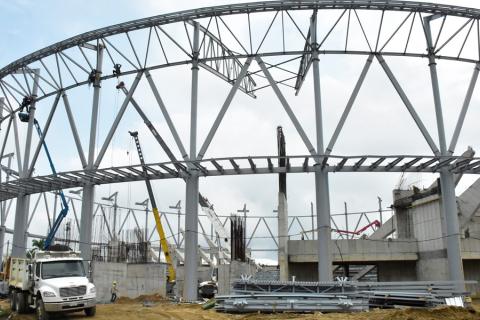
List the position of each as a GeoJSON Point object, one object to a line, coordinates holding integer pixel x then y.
{"type": "Point", "coordinates": [73, 291]}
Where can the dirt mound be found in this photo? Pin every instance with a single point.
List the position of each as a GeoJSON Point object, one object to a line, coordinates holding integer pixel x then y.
{"type": "Point", "coordinates": [447, 313]}
{"type": "Point", "coordinates": [127, 309]}
{"type": "Point", "coordinates": [142, 298]}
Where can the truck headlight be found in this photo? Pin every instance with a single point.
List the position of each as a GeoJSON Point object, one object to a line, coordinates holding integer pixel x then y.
{"type": "Point", "coordinates": [48, 294]}
{"type": "Point", "coordinates": [93, 290]}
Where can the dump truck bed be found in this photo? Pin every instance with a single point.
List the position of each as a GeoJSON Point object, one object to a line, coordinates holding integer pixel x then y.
{"type": "Point", "coordinates": [18, 276]}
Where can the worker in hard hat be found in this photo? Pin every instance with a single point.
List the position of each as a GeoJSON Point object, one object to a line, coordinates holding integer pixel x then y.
{"type": "Point", "coordinates": [114, 292]}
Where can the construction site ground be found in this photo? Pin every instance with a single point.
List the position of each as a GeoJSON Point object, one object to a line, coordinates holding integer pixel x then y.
{"type": "Point", "coordinates": [159, 309]}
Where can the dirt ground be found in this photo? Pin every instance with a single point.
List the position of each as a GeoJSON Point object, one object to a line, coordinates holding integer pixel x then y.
{"type": "Point", "coordinates": [126, 309]}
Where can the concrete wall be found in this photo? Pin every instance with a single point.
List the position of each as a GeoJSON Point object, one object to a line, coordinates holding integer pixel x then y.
{"type": "Point", "coordinates": [204, 274]}
{"type": "Point", "coordinates": [386, 270]}
{"type": "Point", "coordinates": [362, 251]}
{"type": "Point", "coordinates": [227, 273]}
{"type": "Point", "coordinates": [307, 271]}
{"type": "Point", "coordinates": [132, 280]}
{"type": "Point", "coordinates": [471, 268]}
{"type": "Point", "coordinates": [396, 271]}
{"type": "Point", "coordinates": [428, 224]}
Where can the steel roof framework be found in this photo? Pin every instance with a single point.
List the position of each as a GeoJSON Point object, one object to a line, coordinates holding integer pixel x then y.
{"type": "Point", "coordinates": [79, 61]}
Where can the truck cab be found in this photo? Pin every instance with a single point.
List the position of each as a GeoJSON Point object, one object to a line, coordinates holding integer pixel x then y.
{"type": "Point", "coordinates": [51, 282]}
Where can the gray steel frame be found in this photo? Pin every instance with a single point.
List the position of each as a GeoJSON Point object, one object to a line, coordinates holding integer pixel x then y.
{"type": "Point", "coordinates": [262, 165]}
{"type": "Point", "coordinates": [209, 52]}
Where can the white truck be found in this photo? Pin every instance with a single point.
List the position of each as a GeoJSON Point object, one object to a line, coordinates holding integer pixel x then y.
{"type": "Point", "coordinates": [51, 282]}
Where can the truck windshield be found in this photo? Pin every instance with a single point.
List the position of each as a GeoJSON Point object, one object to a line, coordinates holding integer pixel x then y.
{"type": "Point", "coordinates": [60, 269]}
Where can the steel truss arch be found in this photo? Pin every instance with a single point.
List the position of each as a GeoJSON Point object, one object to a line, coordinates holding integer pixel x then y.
{"type": "Point", "coordinates": [90, 40]}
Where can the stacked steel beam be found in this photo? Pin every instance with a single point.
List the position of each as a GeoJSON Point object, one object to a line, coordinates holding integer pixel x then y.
{"type": "Point", "coordinates": [338, 296]}
{"type": "Point", "coordinates": [279, 302]}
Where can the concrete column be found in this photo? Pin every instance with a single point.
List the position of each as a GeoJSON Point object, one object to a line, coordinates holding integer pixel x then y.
{"type": "Point", "coordinates": [322, 191]}
{"type": "Point", "coordinates": [403, 221]}
{"type": "Point", "coordinates": [89, 190]}
{"type": "Point", "coordinates": [19, 244]}
{"type": "Point", "coordinates": [449, 201]}
{"type": "Point", "coordinates": [283, 236]}
{"type": "Point", "coordinates": [190, 289]}
{"type": "Point", "coordinates": [282, 208]}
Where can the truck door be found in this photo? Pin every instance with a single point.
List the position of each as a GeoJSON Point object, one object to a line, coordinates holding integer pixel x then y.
{"type": "Point", "coordinates": [36, 277]}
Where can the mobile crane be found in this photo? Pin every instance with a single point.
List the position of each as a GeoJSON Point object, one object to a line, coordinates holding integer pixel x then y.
{"type": "Point", "coordinates": [24, 116]}
{"type": "Point", "coordinates": [158, 222]}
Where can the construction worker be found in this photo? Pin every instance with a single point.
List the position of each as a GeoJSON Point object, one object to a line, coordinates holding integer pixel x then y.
{"type": "Point", "coordinates": [114, 292]}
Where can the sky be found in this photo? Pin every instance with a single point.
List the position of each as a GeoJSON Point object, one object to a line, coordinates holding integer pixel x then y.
{"type": "Point", "coordinates": [379, 124]}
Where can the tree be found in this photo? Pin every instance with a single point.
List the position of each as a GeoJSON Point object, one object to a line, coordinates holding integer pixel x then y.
{"type": "Point", "coordinates": [36, 245]}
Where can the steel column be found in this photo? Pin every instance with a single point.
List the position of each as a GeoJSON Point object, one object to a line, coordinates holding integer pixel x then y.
{"type": "Point", "coordinates": [3, 215]}
{"type": "Point", "coordinates": [449, 201]}
{"type": "Point", "coordinates": [28, 141]}
{"type": "Point", "coordinates": [322, 191]}
{"type": "Point", "coordinates": [89, 190]}
{"type": "Point", "coordinates": [190, 286]}
{"type": "Point", "coordinates": [19, 244]}
{"type": "Point", "coordinates": [18, 154]}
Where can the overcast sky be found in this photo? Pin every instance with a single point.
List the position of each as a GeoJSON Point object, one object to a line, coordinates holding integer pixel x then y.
{"type": "Point", "coordinates": [379, 123]}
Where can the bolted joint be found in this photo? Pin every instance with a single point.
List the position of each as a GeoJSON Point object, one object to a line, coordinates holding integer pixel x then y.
{"type": "Point", "coordinates": [192, 170]}
{"type": "Point", "coordinates": [431, 52]}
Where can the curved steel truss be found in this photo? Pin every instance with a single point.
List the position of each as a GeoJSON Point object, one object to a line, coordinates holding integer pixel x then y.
{"type": "Point", "coordinates": [253, 46]}
{"type": "Point", "coordinates": [67, 64]}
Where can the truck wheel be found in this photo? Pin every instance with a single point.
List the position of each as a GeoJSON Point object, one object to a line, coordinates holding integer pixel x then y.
{"type": "Point", "coordinates": [41, 314]}
{"type": "Point", "coordinates": [21, 302]}
{"type": "Point", "coordinates": [13, 302]}
{"type": "Point", "coordinates": [90, 312]}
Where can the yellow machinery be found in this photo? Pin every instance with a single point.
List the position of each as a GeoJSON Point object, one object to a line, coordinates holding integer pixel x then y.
{"type": "Point", "coordinates": [161, 232]}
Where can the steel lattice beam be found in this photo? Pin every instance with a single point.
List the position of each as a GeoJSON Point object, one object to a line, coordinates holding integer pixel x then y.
{"type": "Point", "coordinates": [241, 165]}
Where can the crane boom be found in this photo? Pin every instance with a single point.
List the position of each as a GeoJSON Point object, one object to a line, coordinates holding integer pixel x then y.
{"type": "Point", "coordinates": [158, 223]}
{"type": "Point", "coordinates": [63, 213]}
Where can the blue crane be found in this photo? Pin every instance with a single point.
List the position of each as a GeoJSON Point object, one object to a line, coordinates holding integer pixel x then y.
{"type": "Point", "coordinates": [25, 117]}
